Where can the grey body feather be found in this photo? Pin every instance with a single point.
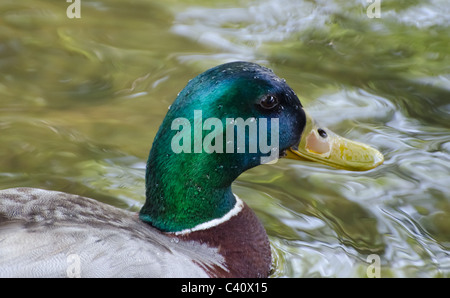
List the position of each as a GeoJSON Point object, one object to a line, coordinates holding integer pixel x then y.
{"type": "Point", "coordinates": [54, 234]}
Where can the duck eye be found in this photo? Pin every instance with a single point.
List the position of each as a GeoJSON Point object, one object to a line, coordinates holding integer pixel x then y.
{"type": "Point", "coordinates": [269, 102]}
{"type": "Point", "coordinates": [322, 133]}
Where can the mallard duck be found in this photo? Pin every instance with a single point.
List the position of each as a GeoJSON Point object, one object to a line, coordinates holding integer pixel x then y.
{"type": "Point", "coordinates": [191, 225]}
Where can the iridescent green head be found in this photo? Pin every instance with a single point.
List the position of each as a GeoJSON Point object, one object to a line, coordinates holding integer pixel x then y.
{"type": "Point", "coordinates": [226, 120]}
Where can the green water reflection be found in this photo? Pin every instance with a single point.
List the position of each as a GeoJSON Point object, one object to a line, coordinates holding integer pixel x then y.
{"type": "Point", "coordinates": [82, 99]}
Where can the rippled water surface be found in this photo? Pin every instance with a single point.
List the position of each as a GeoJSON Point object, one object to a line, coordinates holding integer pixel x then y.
{"type": "Point", "coordinates": [82, 99]}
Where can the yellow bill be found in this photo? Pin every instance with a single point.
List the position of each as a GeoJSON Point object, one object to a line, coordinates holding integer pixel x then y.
{"type": "Point", "coordinates": [324, 146]}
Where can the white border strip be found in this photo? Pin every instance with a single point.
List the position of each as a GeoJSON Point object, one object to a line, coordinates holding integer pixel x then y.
{"type": "Point", "coordinates": [217, 221]}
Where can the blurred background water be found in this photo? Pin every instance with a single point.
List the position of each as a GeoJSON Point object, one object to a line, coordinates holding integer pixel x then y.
{"type": "Point", "coordinates": [82, 99]}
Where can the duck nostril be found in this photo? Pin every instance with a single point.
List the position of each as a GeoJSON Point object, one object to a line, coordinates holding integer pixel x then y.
{"type": "Point", "coordinates": [322, 133]}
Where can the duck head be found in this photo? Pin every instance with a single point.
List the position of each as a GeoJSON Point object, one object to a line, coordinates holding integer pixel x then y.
{"type": "Point", "coordinates": [226, 120]}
